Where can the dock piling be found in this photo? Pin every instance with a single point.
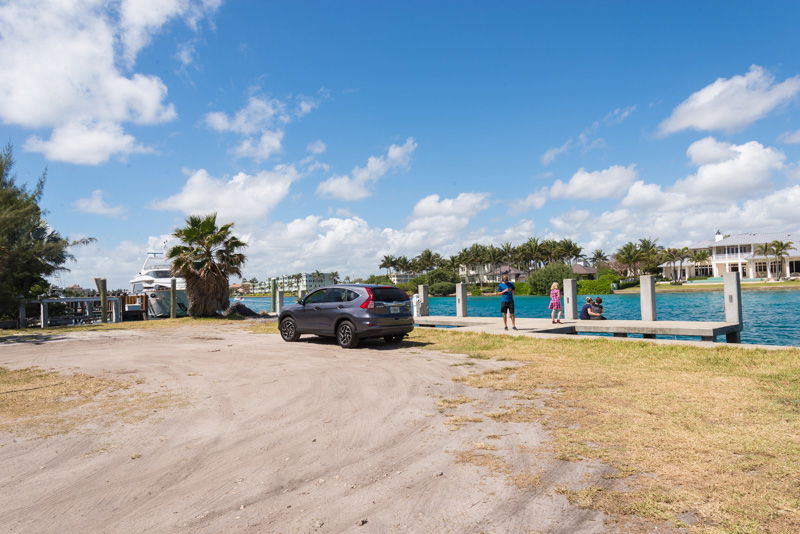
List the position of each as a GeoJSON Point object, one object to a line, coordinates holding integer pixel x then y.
{"type": "Point", "coordinates": [423, 300]}
{"type": "Point", "coordinates": [647, 297]}
{"type": "Point", "coordinates": [732, 291]}
{"type": "Point", "coordinates": [279, 302]}
{"type": "Point", "coordinates": [102, 289]}
{"type": "Point", "coordinates": [173, 299]}
{"type": "Point", "coordinates": [273, 293]}
{"type": "Point", "coordinates": [461, 299]}
{"type": "Point", "coordinates": [570, 299]}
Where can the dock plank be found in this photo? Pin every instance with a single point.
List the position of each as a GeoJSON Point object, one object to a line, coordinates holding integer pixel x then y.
{"type": "Point", "coordinates": [703, 329]}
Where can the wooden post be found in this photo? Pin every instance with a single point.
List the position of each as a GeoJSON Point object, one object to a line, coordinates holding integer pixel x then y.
{"type": "Point", "coordinates": [423, 301]}
{"type": "Point", "coordinates": [23, 318]}
{"type": "Point", "coordinates": [173, 298]}
{"type": "Point", "coordinates": [570, 299]}
{"type": "Point", "coordinates": [274, 295]}
{"type": "Point", "coordinates": [461, 299]}
{"type": "Point", "coordinates": [116, 316]}
{"type": "Point", "coordinates": [101, 288]}
{"type": "Point", "coordinates": [732, 291]}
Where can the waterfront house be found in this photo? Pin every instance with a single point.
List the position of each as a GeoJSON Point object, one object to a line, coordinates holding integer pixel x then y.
{"type": "Point", "coordinates": [737, 253]}
{"type": "Point", "coordinates": [401, 278]}
{"type": "Point", "coordinates": [303, 281]}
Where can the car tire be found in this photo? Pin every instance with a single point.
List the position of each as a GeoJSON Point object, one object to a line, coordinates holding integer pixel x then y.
{"type": "Point", "coordinates": [392, 340]}
{"type": "Point", "coordinates": [288, 329]}
{"type": "Point", "coordinates": [346, 335]}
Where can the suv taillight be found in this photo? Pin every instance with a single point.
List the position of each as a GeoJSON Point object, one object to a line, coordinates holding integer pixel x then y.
{"type": "Point", "coordinates": [368, 304]}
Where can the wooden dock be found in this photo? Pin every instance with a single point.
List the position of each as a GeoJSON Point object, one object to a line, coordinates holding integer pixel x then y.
{"type": "Point", "coordinates": [705, 330]}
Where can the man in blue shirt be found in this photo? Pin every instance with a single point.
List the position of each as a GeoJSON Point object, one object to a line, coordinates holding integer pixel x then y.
{"type": "Point", "coordinates": [586, 310]}
{"type": "Point", "coordinates": [506, 291]}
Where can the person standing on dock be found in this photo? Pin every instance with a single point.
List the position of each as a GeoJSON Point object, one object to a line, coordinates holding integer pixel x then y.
{"type": "Point", "coordinates": [555, 303]}
{"type": "Point", "coordinates": [506, 291]}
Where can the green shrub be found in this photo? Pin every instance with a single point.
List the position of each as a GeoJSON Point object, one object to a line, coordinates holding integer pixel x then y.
{"type": "Point", "coordinates": [474, 290]}
{"type": "Point", "coordinates": [408, 287]}
{"type": "Point", "coordinates": [541, 280]}
{"type": "Point", "coordinates": [378, 279]}
{"type": "Point", "coordinates": [691, 278]}
{"type": "Point", "coordinates": [443, 289]}
{"type": "Point", "coordinates": [442, 275]}
{"type": "Point", "coordinates": [523, 288]}
{"type": "Point", "coordinates": [601, 286]}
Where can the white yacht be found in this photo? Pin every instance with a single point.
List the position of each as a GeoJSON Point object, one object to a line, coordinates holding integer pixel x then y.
{"type": "Point", "coordinates": [154, 279]}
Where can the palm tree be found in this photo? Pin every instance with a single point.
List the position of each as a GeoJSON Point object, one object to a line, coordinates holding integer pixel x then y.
{"type": "Point", "coordinates": [671, 256]}
{"type": "Point", "coordinates": [629, 255]}
{"type": "Point", "coordinates": [207, 257]}
{"type": "Point", "coordinates": [507, 253]}
{"type": "Point", "coordinates": [780, 249]}
{"type": "Point", "coordinates": [764, 250]}
{"type": "Point", "coordinates": [549, 251]}
{"type": "Point", "coordinates": [598, 257]}
{"type": "Point", "coordinates": [534, 254]}
{"type": "Point", "coordinates": [387, 263]}
{"type": "Point", "coordinates": [402, 264]}
{"type": "Point", "coordinates": [335, 276]}
{"type": "Point", "coordinates": [570, 251]}
{"type": "Point", "coordinates": [683, 255]}
{"type": "Point", "coordinates": [700, 257]}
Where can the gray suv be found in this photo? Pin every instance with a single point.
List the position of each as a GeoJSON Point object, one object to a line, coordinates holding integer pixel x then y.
{"type": "Point", "coordinates": [350, 312]}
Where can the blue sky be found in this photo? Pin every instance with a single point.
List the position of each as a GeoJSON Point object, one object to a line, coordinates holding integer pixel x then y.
{"type": "Point", "coordinates": [333, 133]}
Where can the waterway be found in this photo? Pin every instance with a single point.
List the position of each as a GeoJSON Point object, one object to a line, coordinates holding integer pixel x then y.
{"type": "Point", "coordinates": [770, 317]}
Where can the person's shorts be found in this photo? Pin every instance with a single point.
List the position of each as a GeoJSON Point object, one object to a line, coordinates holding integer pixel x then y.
{"type": "Point", "coordinates": [507, 307]}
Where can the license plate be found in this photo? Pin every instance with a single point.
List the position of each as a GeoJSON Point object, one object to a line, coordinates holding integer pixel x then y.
{"type": "Point", "coordinates": [394, 309]}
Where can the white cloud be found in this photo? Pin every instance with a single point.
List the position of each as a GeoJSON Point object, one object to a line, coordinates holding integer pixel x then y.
{"type": "Point", "coordinates": [59, 68]}
{"type": "Point", "coordinates": [619, 115]}
{"type": "Point", "coordinates": [262, 148]}
{"type": "Point", "coordinates": [261, 124]}
{"type": "Point", "coordinates": [791, 138]}
{"type": "Point", "coordinates": [243, 198]}
{"type": "Point", "coordinates": [356, 186]}
{"type": "Point", "coordinates": [95, 204]}
{"type": "Point", "coordinates": [611, 182]}
{"type": "Point", "coordinates": [585, 140]}
{"type": "Point", "coordinates": [533, 201]}
{"type": "Point", "coordinates": [730, 104]}
{"type": "Point", "coordinates": [728, 171]}
{"type": "Point", "coordinates": [316, 147]}
{"type": "Point", "coordinates": [552, 153]}
{"type": "Point", "coordinates": [259, 113]}
{"type": "Point", "coordinates": [86, 144]}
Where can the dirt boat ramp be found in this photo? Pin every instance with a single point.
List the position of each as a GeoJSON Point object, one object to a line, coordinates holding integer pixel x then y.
{"type": "Point", "coordinates": [252, 434]}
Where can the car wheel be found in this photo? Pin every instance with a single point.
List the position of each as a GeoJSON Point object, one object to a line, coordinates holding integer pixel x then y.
{"type": "Point", "coordinates": [346, 335]}
{"type": "Point", "coordinates": [393, 339]}
{"type": "Point", "coordinates": [288, 328]}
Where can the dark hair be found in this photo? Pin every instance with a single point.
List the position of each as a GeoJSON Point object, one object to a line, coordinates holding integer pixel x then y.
{"type": "Point", "coordinates": [599, 299]}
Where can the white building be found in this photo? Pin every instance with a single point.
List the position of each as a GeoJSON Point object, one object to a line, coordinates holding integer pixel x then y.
{"type": "Point", "coordinates": [303, 281]}
{"type": "Point", "coordinates": [401, 278]}
{"type": "Point", "coordinates": [490, 273]}
{"type": "Point", "coordinates": [737, 253]}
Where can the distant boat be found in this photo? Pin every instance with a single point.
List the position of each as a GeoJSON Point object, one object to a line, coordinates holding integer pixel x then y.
{"type": "Point", "coordinates": [154, 279]}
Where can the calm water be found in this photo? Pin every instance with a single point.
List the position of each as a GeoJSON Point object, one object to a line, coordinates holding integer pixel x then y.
{"type": "Point", "coordinates": [770, 317]}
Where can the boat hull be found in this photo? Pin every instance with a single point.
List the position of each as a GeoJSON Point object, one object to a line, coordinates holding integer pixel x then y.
{"type": "Point", "coordinates": [158, 302]}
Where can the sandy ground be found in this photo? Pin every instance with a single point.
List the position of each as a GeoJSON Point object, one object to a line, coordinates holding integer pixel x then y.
{"type": "Point", "coordinates": [279, 437]}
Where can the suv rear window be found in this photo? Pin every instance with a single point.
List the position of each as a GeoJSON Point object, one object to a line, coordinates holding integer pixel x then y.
{"type": "Point", "coordinates": [389, 294]}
